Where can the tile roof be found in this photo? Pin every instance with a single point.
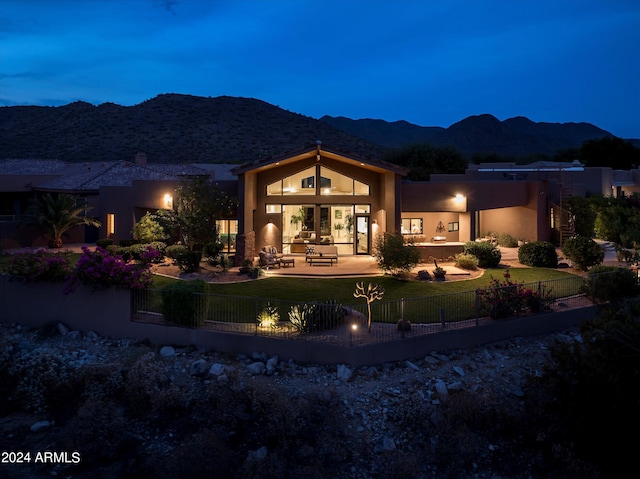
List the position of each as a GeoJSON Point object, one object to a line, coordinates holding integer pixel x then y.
{"type": "Point", "coordinates": [30, 167]}
{"type": "Point", "coordinates": [177, 169]}
{"type": "Point", "coordinates": [219, 171]}
{"type": "Point", "coordinates": [91, 176]}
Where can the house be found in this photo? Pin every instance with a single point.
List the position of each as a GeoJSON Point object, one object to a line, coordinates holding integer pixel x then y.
{"type": "Point", "coordinates": [116, 193]}
{"type": "Point", "coordinates": [318, 195]}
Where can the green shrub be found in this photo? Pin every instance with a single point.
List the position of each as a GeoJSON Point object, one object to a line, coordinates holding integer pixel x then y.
{"type": "Point", "coordinates": [135, 252]}
{"type": "Point", "coordinates": [466, 261]}
{"type": "Point", "coordinates": [183, 302]}
{"type": "Point", "coordinates": [610, 283]}
{"type": "Point", "coordinates": [37, 266]}
{"type": "Point", "coordinates": [212, 249]}
{"type": "Point", "coordinates": [539, 254]}
{"type": "Point", "coordinates": [189, 261]}
{"type": "Point", "coordinates": [505, 299]}
{"type": "Point", "coordinates": [127, 242]}
{"type": "Point", "coordinates": [104, 242]}
{"type": "Point", "coordinates": [123, 251]}
{"type": "Point", "coordinates": [507, 241]}
{"type": "Point", "coordinates": [393, 255]}
{"type": "Point", "coordinates": [175, 250]}
{"type": "Point", "coordinates": [564, 403]}
{"type": "Point", "coordinates": [148, 230]}
{"type": "Point", "coordinates": [583, 252]}
{"type": "Point", "coordinates": [161, 248]}
{"type": "Point", "coordinates": [488, 254]}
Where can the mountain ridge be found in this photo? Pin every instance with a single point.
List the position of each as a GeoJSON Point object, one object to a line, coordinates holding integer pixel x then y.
{"type": "Point", "coordinates": [177, 128]}
{"type": "Point", "coordinates": [478, 134]}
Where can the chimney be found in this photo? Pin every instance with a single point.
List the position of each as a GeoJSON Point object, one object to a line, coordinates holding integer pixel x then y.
{"type": "Point", "coordinates": [141, 159]}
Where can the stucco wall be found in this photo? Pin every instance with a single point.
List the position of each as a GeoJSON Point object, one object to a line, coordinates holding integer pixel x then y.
{"type": "Point", "coordinates": [108, 314]}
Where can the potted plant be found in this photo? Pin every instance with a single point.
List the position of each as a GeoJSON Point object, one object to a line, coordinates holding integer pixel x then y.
{"type": "Point", "coordinates": [246, 266]}
{"type": "Point", "coordinates": [404, 325]}
{"type": "Point", "coordinates": [438, 273]}
{"type": "Point", "coordinates": [297, 217]}
{"type": "Point", "coordinates": [348, 223]}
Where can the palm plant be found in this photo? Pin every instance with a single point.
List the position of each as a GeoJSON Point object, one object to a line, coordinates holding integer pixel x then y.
{"type": "Point", "coordinates": [57, 214]}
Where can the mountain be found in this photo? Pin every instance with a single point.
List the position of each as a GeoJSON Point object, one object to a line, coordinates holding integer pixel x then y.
{"type": "Point", "coordinates": [169, 128]}
{"type": "Point", "coordinates": [172, 128]}
{"type": "Point", "coordinates": [482, 134]}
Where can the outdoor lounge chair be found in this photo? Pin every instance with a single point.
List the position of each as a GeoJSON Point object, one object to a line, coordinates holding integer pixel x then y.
{"type": "Point", "coordinates": [268, 260]}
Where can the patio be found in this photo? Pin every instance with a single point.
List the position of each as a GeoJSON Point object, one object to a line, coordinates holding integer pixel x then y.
{"type": "Point", "coordinates": [351, 266]}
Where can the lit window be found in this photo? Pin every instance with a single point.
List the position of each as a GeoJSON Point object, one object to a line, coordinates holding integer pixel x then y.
{"type": "Point", "coordinates": [411, 226]}
{"type": "Point", "coordinates": [227, 232]}
{"type": "Point", "coordinates": [273, 209]}
{"type": "Point", "coordinates": [111, 224]}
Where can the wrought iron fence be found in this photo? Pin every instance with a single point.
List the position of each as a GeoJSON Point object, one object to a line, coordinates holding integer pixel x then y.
{"type": "Point", "coordinates": [349, 324]}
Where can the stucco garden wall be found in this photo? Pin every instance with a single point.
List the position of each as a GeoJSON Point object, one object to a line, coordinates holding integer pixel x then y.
{"type": "Point", "coordinates": [108, 313]}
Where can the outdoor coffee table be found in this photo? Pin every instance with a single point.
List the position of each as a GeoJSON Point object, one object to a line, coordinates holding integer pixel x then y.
{"type": "Point", "coordinates": [286, 262]}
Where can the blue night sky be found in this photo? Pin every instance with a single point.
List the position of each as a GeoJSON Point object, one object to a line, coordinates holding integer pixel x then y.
{"type": "Point", "coordinates": [428, 62]}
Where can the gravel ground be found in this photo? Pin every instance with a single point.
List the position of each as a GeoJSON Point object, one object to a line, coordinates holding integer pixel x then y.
{"type": "Point", "coordinates": [379, 406]}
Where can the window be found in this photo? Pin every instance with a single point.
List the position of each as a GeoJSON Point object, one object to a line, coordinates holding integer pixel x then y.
{"type": "Point", "coordinates": [411, 226]}
{"type": "Point", "coordinates": [111, 224]}
{"type": "Point", "coordinates": [302, 183]}
{"type": "Point", "coordinates": [454, 226]}
{"type": "Point", "coordinates": [227, 232]}
{"type": "Point", "coordinates": [317, 180]}
{"type": "Point", "coordinates": [273, 209]}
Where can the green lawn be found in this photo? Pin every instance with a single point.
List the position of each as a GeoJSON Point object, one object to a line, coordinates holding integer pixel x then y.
{"type": "Point", "coordinates": [341, 289]}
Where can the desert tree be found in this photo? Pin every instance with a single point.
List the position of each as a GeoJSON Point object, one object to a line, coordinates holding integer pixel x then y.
{"type": "Point", "coordinates": [371, 293]}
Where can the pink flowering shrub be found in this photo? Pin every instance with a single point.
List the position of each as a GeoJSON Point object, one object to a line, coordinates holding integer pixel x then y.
{"type": "Point", "coordinates": [100, 269]}
{"type": "Point", "coordinates": [505, 299]}
{"type": "Point", "coordinates": [38, 265]}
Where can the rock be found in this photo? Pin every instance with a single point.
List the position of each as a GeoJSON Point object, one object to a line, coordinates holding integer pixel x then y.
{"type": "Point", "coordinates": [412, 366]}
{"type": "Point", "coordinates": [272, 363]}
{"type": "Point", "coordinates": [256, 368]}
{"type": "Point", "coordinates": [217, 369]}
{"type": "Point", "coordinates": [431, 360]}
{"type": "Point", "coordinates": [74, 335]}
{"type": "Point", "coordinates": [92, 335]}
{"type": "Point", "coordinates": [167, 351]}
{"type": "Point", "coordinates": [459, 371]}
{"type": "Point", "coordinates": [40, 426]}
{"type": "Point", "coordinates": [515, 390]}
{"type": "Point", "coordinates": [198, 368]}
{"type": "Point", "coordinates": [306, 451]}
{"type": "Point", "coordinates": [388, 444]}
{"type": "Point", "coordinates": [344, 373]}
{"type": "Point", "coordinates": [62, 329]}
{"type": "Point", "coordinates": [258, 454]}
{"type": "Point", "coordinates": [441, 389]}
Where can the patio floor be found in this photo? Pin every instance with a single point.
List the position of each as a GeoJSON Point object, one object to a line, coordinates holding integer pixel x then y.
{"type": "Point", "coordinates": [347, 266]}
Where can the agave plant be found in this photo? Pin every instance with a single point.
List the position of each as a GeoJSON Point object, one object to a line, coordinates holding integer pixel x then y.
{"type": "Point", "coordinates": [57, 214]}
{"type": "Point", "coordinates": [269, 317]}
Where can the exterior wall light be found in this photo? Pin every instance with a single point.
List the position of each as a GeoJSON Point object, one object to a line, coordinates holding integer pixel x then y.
{"type": "Point", "coordinates": [459, 199]}
{"type": "Point", "coordinates": [168, 201]}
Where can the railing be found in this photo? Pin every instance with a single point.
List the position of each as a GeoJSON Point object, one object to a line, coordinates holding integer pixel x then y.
{"type": "Point", "coordinates": [348, 324]}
